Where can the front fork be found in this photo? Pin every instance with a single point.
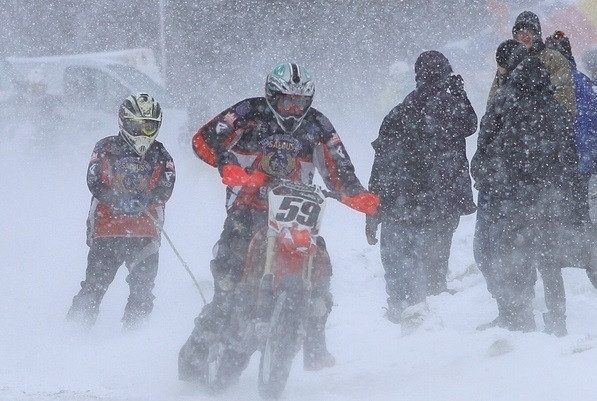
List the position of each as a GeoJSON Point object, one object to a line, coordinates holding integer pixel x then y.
{"type": "Point", "coordinates": [266, 299]}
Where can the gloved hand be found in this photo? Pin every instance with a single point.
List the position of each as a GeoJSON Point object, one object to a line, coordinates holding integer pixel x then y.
{"type": "Point", "coordinates": [132, 203]}
{"type": "Point", "coordinates": [234, 175]}
{"type": "Point", "coordinates": [371, 223]}
{"type": "Point", "coordinates": [365, 202]}
{"type": "Point", "coordinates": [456, 85]}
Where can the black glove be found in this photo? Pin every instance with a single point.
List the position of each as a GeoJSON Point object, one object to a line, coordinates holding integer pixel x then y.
{"type": "Point", "coordinates": [456, 85]}
{"type": "Point", "coordinates": [132, 204]}
{"type": "Point", "coordinates": [371, 223]}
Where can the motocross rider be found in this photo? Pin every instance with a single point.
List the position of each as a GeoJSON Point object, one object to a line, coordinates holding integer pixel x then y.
{"type": "Point", "coordinates": [276, 136]}
{"type": "Point", "coordinates": [131, 177]}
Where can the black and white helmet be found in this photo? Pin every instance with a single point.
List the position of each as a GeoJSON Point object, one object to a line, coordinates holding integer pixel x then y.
{"type": "Point", "coordinates": [139, 119]}
{"type": "Point", "coordinates": [289, 91]}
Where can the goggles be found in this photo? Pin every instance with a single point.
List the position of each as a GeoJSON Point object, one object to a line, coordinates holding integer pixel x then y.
{"type": "Point", "coordinates": [141, 127]}
{"type": "Point", "coordinates": [292, 105]}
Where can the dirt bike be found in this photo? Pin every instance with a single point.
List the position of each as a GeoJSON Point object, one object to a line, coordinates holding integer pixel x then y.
{"type": "Point", "coordinates": [273, 299]}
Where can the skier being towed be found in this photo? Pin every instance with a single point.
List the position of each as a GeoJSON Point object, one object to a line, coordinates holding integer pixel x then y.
{"type": "Point", "coordinates": [276, 136]}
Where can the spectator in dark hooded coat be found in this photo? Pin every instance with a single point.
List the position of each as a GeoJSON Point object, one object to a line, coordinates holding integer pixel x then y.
{"type": "Point", "coordinates": [508, 55]}
{"type": "Point", "coordinates": [421, 173]}
{"type": "Point", "coordinates": [522, 167]}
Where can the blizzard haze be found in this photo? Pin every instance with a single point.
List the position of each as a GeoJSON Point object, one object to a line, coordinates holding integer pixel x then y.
{"type": "Point", "coordinates": [214, 53]}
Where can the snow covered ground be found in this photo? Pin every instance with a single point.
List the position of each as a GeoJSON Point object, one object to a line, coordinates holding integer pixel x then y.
{"type": "Point", "coordinates": [43, 250]}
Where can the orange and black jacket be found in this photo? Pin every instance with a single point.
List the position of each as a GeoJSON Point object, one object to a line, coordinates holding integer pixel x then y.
{"type": "Point", "coordinates": [248, 135]}
{"type": "Point", "coordinates": [116, 174]}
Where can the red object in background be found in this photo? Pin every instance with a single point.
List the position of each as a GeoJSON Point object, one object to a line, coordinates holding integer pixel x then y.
{"type": "Point", "coordinates": [581, 31]}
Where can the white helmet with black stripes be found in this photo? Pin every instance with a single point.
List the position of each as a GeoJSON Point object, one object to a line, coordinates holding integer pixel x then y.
{"type": "Point", "coordinates": [289, 91]}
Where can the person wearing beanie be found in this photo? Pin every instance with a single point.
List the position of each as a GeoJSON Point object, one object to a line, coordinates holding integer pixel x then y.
{"type": "Point", "coordinates": [581, 238]}
{"type": "Point", "coordinates": [421, 174]}
{"type": "Point", "coordinates": [527, 30]}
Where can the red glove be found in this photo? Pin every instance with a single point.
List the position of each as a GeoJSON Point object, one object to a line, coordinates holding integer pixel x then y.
{"type": "Point", "coordinates": [366, 202]}
{"type": "Point", "coordinates": [234, 176]}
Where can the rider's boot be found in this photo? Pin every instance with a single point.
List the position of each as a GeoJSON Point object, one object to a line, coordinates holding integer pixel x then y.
{"type": "Point", "coordinates": [192, 357]}
{"type": "Point", "coordinates": [315, 353]}
{"type": "Point", "coordinates": [212, 319]}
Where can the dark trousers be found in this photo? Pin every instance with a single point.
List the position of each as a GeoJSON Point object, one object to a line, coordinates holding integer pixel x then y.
{"type": "Point", "coordinates": [415, 258]}
{"type": "Point", "coordinates": [577, 236]}
{"type": "Point", "coordinates": [106, 255]}
{"type": "Point", "coordinates": [242, 222]}
{"type": "Point", "coordinates": [523, 241]}
{"type": "Point", "coordinates": [514, 272]}
{"type": "Point", "coordinates": [482, 243]}
{"type": "Point", "coordinates": [579, 187]}
{"type": "Point", "coordinates": [438, 256]}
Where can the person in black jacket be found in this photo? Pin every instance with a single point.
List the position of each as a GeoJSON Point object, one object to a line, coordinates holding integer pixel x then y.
{"type": "Point", "coordinates": [508, 55]}
{"type": "Point", "coordinates": [525, 156]}
{"type": "Point", "coordinates": [421, 174]}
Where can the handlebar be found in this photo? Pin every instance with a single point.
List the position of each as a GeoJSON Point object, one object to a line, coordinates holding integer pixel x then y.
{"type": "Point", "coordinates": [332, 194]}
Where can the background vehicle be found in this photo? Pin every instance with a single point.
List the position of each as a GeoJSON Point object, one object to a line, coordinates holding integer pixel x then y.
{"type": "Point", "coordinates": [7, 82]}
{"type": "Point", "coordinates": [95, 84]}
{"type": "Point", "coordinates": [8, 94]}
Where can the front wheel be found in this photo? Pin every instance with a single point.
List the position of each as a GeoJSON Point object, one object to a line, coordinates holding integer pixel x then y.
{"type": "Point", "coordinates": [281, 345]}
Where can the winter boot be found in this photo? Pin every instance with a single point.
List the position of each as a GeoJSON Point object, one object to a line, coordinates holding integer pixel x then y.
{"type": "Point", "coordinates": [592, 269]}
{"type": "Point", "coordinates": [592, 274]}
{"type": "Point", "coordinates": [316, 356]}
{"type": "Point", "coordinates": [84, 311]}
{"type": "Point", "coordinates": [591, 261]}
{"type": "Point", "coordinates": [555, 324]}
{"type": "Point", "coordinates": [520, 318]}
{"type": "Point", "coordinates": [413, 317]}
{"type": "Point", "coordinates": [435, 289]}
{"type": "Point", "coordinates": [136, 312]}
{"type": "Point", "coordinates": [314, 362]}
{"type": "Point", "coordinates": [315, 353]}
{"type": "Point", "coordinates": [394, 310]}
{"type": "Point", "coordinates": [499, 321]}
{"type": "Point", "coordinates": [132, 322]}
{"type": "Point", "coordinates": [192, 358]}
